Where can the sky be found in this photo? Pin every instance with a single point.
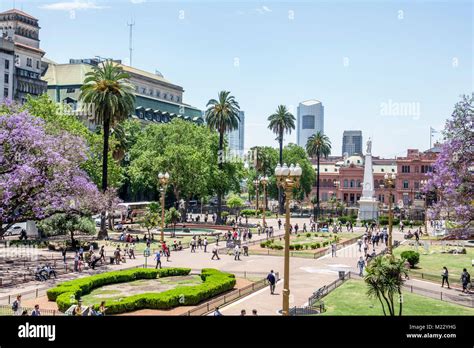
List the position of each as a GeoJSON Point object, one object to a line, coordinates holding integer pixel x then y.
{"type": "Point", "coordinates": [392, 69]}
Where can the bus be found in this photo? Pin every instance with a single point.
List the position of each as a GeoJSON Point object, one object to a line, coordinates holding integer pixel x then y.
{"type": "Point", "coordinates": [132, 209]}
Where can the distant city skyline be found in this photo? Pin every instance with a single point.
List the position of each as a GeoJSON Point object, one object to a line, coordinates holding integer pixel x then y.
{"type": "Point", "coordinates": [390, 70]}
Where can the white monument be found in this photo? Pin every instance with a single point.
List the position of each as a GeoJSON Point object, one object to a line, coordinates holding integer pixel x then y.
{"type": "Point", "coordinates": [368, 205]}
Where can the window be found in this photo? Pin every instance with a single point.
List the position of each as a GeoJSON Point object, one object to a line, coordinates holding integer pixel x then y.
{"type": "Point", "coordinates": [6, 78]}
{"type": "Point", "coordinates": [157, 93]}
{"type": "Point", "coordinates": [177, 99]}
{"type": "Point", "coordinates": [417, 185]}
{"type": "Point", "coordinates": [417, 169]}
{"type": "Point", "coordinates": [426, 169]}
{"type": "Point", "coordinates": [165, 95]}
{"type": "Point", "coordinates": [171, 97]}
{"type": "Point", "coordinates": [358, 183]}
{"type": "Point", "coordinates": [5, 92]}
{"type": "Point", "coordinates": [352, 183]}
{"type": "Point", "coordinates": [37, 64]}
{"type": "Point", "coordinates": [29, 62]}
{"type": "Point", "coordinates": [70, 90]}
{"type": "Point", "coordinates": [325, 169]}
{"type": "Point", "coordinates": [308, 122]}
{"type": "Point", "coordinates": [405, 169]}
{"type": "Point", "coordinates": [405, 184]}
{"type": "Point", "coordinates": [143, 90]}
{"type": "Point", "coordinates": [7, 64]}
{"type": "Point", "coordinates": [346, 183]}
{"type": "Point", "coordinates": [17, 59]}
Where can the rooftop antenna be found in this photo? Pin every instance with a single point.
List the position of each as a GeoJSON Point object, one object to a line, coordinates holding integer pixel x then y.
{"type": "Point", "coordinates": [131, 24]}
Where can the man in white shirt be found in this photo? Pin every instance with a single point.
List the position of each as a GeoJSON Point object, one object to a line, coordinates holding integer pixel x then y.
{"type": "Point", "coordinates": [237, 252]}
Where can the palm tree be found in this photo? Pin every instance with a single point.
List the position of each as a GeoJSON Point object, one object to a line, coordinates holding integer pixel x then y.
{"type": "Point", "coordinates": [107, 88]}
{"type": "Point", "coordinates": [384, 279]}
{"type": "Point", "coordinates": [222, 115]}
{"type": "Point", "coordinates": [282, 121]}
{"type": "Point", "coordinates": [318, 145]}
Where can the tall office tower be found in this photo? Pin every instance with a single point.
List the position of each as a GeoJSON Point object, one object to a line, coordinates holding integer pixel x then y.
{"type": "Point", "coordinates": [352, 142]}
{"type": "Point", "coordinates": [310, 120]}
{"type": "Point", "coordinates": [236, 137]}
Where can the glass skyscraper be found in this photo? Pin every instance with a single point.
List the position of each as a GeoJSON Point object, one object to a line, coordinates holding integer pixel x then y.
{"type": "Point", "coordinates": [352, 142]}
{"type": "Point", "coordinates": [236, 137]}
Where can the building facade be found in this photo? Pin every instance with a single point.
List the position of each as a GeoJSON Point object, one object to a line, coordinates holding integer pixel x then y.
{"type": "Point", "coordinates": [236, 137]}
{"type": "Point", "coordinates": [23, 30]}
{"type": "Point", "coordinates": [156, 99]}
{"type": "Point", "coordinates": [342, 177]}
{"type": "Point", "coordinates": [352, 142]}
{"type": "Point", "coordinates": [310, 120]}
{"type": "Point", "coordinates": [7, 67]}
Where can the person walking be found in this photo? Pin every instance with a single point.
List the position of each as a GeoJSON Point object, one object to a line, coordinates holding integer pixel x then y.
{"type": "Point", "coordinates": [36, 312]}
{"type": "Point", "coordinates": [16, 306]}
{"type": "Point", "coordinates": [63, 253]}
{"type": "Point", "coordinates": [359, 243]}
{"type": "Point", "coordinates": [131, 250]}
{"type": "Point", "coordinates": [193, 245]}
{"type": "Point", "coordinates": [217, 312]}
{"type": "Point", "coordinates": [333, 249]}
{"type": "Point", "coordinates": [237, 253]}
{"type": "Point", "coordinates": [445, 275]}
{"type": "Point", "coordinates": [205, 244]}
{"type": "Point", "coordinates": [361, 265]}
{"type": "Point", "coordinates": [272, 281]}
{"type": "Point", "coordinates": [465, 280]}
{"type": "Point", "coordinates": [102, 254]}
{"type": "Point", "coordinates": [158, 259]}
{"type": "Point", "coordinates": [76, 262]}
{"type": "Point", "coordinates": [254, 312]}
{"type": "Point", "coordinates": [215, 253]}
{"type": "Point", "coordinates": [279, 224]}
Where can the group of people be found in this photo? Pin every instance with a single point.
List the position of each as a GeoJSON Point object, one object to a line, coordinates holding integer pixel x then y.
{"type": "Point", "coordinates": [19, 311]}
{"type": "Point", "coordinates": [45, 272]}
{"type": "Point", "coordinates": [465, 279]}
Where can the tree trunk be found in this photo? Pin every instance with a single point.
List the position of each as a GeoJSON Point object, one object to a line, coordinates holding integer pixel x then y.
{"type": "Point", "coordinates": [317, 189]}
{"type": "Point", "coordinates": [73, 242]}
{"type": "Point", "coordinates": [219, 192]}
{"type": "Point", "coordinates": [105, 154]}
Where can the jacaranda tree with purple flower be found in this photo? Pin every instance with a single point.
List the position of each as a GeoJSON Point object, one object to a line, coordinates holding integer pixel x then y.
{"type": "Point", "coordinates": [40, 173]}
{"type": "Point", "coordinates": [452, 177]}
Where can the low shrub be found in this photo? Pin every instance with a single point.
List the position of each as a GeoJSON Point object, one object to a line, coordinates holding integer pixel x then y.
{"type": "Point", "coordinates": [308, 234]}
{"type": "Point", "coordinates": [411, 256]}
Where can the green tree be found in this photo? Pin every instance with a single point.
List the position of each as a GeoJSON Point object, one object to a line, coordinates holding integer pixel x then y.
{"type": "Point", "coordinates": [318, 146]}
{"type": "Point", "coordinates": [235, 202]}
{"type": "Point", "coordinates": [59, 119]}
{"type": "Point", "coordinates": [281, 122]}
{"type": "Point", "coordinates": [61, 224]}
{"type": "Point", "coordinates": [384, 281]}
{"type": "Point", "coordinates": [222, 115]}
{"type": "Point", "coordinates": [151, 218]}
{"type": "Point", "coordinates": [172, 216]}
{"type": "Point", "coordinates": [293, 153]}
{"type": "Point", "coordinates": [108, 89]}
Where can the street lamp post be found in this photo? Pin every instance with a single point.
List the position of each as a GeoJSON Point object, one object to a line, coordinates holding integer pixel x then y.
{"type": "Point", "coordinates": [256, 182]}
{"type": "Point", "coordinates": [163, 180]}
{"type": "Point", "coordinates": [287, 178]}
{"type": "Point", "coordinates": [264, 181]}
{"type": "Point", "coordinates": [389, 183]}
{"type": "Point", "coordinates": [425, 194]}
{"type": "Point", "coordinates": [336, 184]}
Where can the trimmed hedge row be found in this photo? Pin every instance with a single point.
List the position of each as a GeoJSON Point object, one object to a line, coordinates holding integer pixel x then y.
{"type": "Point", "coordinates": [214, 283]}
{"type": "Point", "coordinates": [66, 294]}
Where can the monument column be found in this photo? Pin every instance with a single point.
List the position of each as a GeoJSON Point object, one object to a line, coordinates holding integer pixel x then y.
{"type": "Point", "coordinates": [368, 204]}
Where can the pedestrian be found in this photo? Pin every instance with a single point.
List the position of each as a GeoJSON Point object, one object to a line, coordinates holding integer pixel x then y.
{"type": "Point", "coordinates": [158, 259]}
{"type": "Point", "coordinates": [444, 276]}
{"type": "Point", "coordinates": [279, 224]}
{"type": "Point", "coordinates": [76, 262]}
{"type": "Point", "coordinates": [359, 243]}
{"type": "Point", "coordinates": [205, 244]}
{"type": "Point", "coordinates": [217, 313]}
{"type": "Point", "coordinates": [63, 253]}
{"type": "Point", "coordinates": [271, 280]}
{"type": "Point", "coordinates": [333, 249]}
{"type": "Point", "coordinates": [254, 312]}
{"type": "Point", "coordinates": [465, 280]}
{"type": "Point", "coordinates": [243, 312]}
{"type": "Point", "coordinates": [215, 253]}
{"type": "Point", "coordinates": [102, 254]}
{"type": "Point", "coordinates": [237, 252]}
{"type": "Point", "coordinates": [361, 265]}
{"type": "Point", "coordinates": [16, 306]}
{"type": "Point", "coordinates": [36, 312]}
{"type": "Point", "coordinates": [131, 250]}
{"type": "Point", "coordinates": [193, 245]}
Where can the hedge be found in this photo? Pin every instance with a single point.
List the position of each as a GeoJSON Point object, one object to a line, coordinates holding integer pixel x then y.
{"type": "Point", "coordinates": [214, 282]}
{"type": "Point", "coordinates": [73, 289]}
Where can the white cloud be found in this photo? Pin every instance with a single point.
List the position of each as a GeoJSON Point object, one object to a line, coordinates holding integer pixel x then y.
{"type": "Point", "coordinates": [73, 6]}
{"type": "Point", "coordinates": [137, 1]}
{"type": "Point", "coordinates": [266, 9]}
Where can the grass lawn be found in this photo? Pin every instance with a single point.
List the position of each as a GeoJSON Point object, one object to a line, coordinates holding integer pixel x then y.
{"type": "Point", "coordinates": [432, 262]}
{"type": "Point", "coordinates": [140, 247]}
{"type": "Point", "coordinates": [351, 299]}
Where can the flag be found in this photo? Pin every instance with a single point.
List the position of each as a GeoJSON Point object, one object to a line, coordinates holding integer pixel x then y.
{"type": "Point", "coordinates": [432, 130]}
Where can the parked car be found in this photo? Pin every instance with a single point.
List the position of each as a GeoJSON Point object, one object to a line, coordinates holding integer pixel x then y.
{"type": "Point", "coordinates": [469, 243]}
{"type": "Point", "coordinates": [13, 230]}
